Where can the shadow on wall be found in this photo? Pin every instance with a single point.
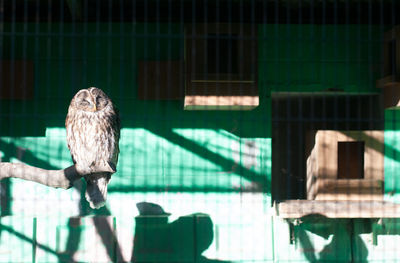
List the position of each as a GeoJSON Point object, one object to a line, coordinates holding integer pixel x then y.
{"type": "Point", "coordinates": [154, 240]}
{"type": "Point", "coordinates": [325, 239]}
{"type": "Point", "coordinates": [183, 240]}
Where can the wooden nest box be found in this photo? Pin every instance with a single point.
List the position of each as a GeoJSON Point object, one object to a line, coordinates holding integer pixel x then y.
{"type": "Point", "coordinates": [345, 165]}
{"type": "Point", "coordinates": [221, 67]}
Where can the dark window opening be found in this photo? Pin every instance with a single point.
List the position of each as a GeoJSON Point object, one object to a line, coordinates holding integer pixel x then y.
{"type": "Point", "coordinates": [351, 160]}
{"type": "Point", "coordinates": [222, 52]}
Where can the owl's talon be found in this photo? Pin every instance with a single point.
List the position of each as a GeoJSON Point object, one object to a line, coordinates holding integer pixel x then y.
{"type": "Point", "coordinates": [83, 170]}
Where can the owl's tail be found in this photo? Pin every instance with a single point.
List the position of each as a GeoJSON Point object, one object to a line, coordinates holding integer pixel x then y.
{"type": "Point", "coordinates": [96, 192]}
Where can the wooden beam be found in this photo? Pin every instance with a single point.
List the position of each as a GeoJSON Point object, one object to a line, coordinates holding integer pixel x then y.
{"type": "Point", "coordinates": [337, 209]}
{"type": "Point", "coordinates": [221, 102]}
{"type": "Point", "coordinates": [350, 189]}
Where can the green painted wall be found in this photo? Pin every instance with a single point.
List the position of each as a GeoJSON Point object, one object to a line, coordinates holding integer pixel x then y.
{"type": "Point", "coordinates": [197, 165]}
{"type": "Point", "coordinates": [392, 154]}
{"type": "Point", "coordinates": [309, 58]}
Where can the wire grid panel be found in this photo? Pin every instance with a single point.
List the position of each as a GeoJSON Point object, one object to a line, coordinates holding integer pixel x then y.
{"type": "Point", "coordinates": [250, 129]}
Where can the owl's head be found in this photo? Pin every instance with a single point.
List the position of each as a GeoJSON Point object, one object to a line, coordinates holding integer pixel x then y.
{"type": "Point", "coordinates": [91, 99]}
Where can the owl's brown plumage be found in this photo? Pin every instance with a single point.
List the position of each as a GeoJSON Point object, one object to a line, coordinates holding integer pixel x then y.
{"type": "Point", "coordinates": [93, 130]}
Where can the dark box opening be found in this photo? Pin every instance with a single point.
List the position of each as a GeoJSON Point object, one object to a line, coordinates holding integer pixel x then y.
{"type": "Point", "coordinates": [351, 160]}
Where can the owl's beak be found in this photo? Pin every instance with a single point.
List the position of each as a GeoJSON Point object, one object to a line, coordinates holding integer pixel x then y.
{"type": "Point", "coordinates": [93, 102]}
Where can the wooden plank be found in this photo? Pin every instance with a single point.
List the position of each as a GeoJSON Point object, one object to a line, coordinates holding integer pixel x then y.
{"type": "Point", "coordinates": [349, 189]}
{"type": "Point", "coordinates": [220, 102]}
{"type": "Point", "coordinates": [337, 209]}
{"type": "Point", "coordinates": [160, 80]}
{"type": "Point", "coordinates": [16, 79]}
{"type": "Point", "coordinates": [222, 88]}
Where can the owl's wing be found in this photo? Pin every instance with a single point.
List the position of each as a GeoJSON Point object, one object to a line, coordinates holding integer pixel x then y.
{"type": "Point", "coordinates": [67, 124]}
{"type": "Point", "coordinates": [116, 129]}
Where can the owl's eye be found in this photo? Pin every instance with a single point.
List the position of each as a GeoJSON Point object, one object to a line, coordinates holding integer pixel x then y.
{"type": "Point", "coordinates": [101, 102]}
{"type": "Point", "coordinates": [84, 103]}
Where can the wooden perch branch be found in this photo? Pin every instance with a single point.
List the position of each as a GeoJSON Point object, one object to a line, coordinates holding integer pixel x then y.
{"type": "Point", "coordinates": [63, 178]}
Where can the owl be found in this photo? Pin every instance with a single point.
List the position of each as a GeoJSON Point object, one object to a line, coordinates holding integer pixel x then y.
{"type": "Point", "coordinates": [93, 130]}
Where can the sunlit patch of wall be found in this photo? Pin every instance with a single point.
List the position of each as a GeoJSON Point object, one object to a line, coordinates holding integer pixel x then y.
{"type": "Point", "coordinates": [231, 187]}
{"type": "Point", "coordinates": [392, 155]}
{"type": "Point", "coordinates": [149, 162]}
